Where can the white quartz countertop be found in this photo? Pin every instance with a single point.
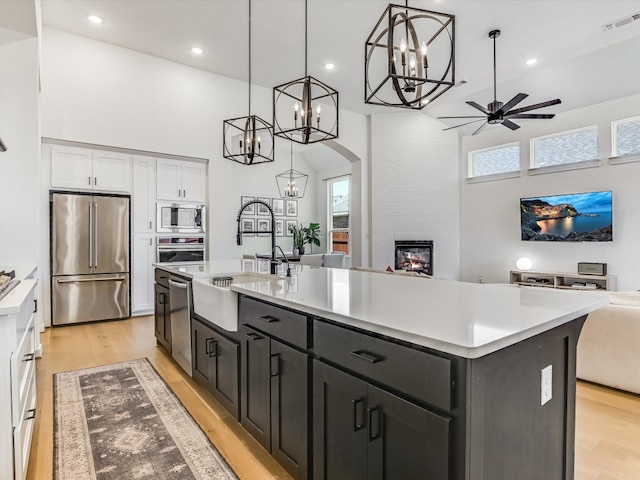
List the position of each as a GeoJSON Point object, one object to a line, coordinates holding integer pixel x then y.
{"type": "Point", "coordinates": [12, 301]}
{"type": "Point", "coordinates": [215, 267]}
{"type": "Point", "coordinates": [465, 319]}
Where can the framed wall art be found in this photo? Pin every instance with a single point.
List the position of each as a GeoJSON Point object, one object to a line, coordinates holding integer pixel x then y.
{"type": "Point", "coordinates": [264, 227]}
{"type": "Point", "coordinates": [247, 226]}
{"type": "Point", "coordinates": [288, 225]}
{"type": "Point", "coordinates": [251, 209]}
{"type": "Point", "coordinates": [277, 205]}
{"type": "Point", "coordinates": [292, 208]}
{"type": "Point", "coordinates": [280, 227]}
{"type": "Point", "coordinates": [262, 210]}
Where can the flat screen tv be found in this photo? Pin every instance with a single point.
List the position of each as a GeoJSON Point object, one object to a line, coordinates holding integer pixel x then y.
{"type": "Point", "coordinates": [574, 217]}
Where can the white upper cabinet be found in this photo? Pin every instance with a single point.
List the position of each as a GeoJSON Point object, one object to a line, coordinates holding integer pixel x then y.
{"type": "Point", "coordinates": [71, 167]}
{"type": "Point", "coordinates": [181, 180]}
{"type": "Point", "coordinates": [84, 169]}
{"type": "Point", "coordinates": [111, 171]}
{"type": "Point", "coordinates": [144, 194]}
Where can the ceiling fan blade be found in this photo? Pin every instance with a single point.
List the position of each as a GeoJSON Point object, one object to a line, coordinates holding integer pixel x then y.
{"type": "Point", "coordinates": [480, 128]}
{"type": "Point", "coordinates": [463, 124]}
{"type": "Point", "coordinates": [531, 115]}
{"type": "Point", "coordinates": [479, 107]}
{"type": "Point", "coordinates": [533, 107]}
{"type": "Point", "coordinates": [473, 116]}
{"type": "Point", "coordinates": [510, 124]}
{"type": "Point", "coordinates": [512, 103]}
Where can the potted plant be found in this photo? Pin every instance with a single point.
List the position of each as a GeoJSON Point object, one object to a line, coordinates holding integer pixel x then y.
{"type": "Point", "coordinates": [312, 235]}
{"type": "Point", "coordinates": [298, 239]}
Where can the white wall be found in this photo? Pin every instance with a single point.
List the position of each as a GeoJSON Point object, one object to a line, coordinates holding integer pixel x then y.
{"type": "Point", "coordinates": [491, 218]}
{"type": "Point", "coordinates": [106, 95]}
{"type": "Point", "coordinates": [19, 165]}
{"type": "Point", "coordinates": [415, 185]}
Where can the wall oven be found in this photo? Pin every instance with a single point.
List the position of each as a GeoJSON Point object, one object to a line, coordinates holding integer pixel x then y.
{"type": "Point", "coordinates": [180, 250]}
{"type": "Point", "coordinates": [180, 218]}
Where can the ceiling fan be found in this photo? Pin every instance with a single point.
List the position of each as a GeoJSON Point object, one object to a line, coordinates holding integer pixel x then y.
{"type": "Point", "coordinates": [502, 113]}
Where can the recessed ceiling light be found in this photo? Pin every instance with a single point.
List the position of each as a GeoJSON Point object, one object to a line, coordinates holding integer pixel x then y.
{"type": "Point", "coordinates": [95, 19]}
{"type": "Point", "coordinates": [531, 61]}
{"type": "Point", "coordinates": [197, 50]}
{"type": "Point", "coordinates": [329, 66]}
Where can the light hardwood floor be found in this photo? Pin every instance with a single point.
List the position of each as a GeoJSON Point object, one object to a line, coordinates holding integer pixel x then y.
{"type": "Point", "coordinates": [607, 431]}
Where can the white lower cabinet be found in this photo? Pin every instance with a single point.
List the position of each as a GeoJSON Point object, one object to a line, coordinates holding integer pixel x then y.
{"type": "Point", "coordinates": [18, 343]}
{"type": "Point", "coordinates": [142, 296]}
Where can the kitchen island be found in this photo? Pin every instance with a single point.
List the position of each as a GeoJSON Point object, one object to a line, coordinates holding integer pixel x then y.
{"type": "Point", "coordinates": [393, 376]}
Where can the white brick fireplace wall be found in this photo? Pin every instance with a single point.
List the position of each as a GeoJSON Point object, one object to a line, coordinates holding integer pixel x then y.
{"type": "Point", "coordinates": [415, 189]}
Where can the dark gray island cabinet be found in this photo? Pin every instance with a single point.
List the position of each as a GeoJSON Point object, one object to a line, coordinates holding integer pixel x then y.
{"type": "Point", "coordinates": [335, 401]}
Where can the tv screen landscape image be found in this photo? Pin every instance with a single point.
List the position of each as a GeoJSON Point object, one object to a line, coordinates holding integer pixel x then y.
{"type": "Point", "coordinates": [575, 217]}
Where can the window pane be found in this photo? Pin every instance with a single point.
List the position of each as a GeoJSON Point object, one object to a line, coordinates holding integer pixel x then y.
{"type": "Point", "coordinates": [628, 138]}
{"type": "Point", "coordinates": [339, 216]}
{"type": "Point", "coordinates": [566, 148]}
{"type": "Point", "coordinates": [497, 160]}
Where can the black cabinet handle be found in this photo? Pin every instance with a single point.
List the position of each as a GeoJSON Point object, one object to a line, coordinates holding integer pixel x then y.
{"type": "Point", "coordinates": [359, 402]}
{"type": "Point", "coordinates": [161, 298]}
{"type": "Point", "coordinates": [29, 357]}
{"type": "Point", "coordinates": [211, 347]}
{"type": "Point", "coordinates": [253, 336]}
{"type": "Point", "coordinates": [35, 305]}
{"type": "Point", "coordinates": [31, 414]}
{"type": "Point", "coordinates": [378, 429]}
{"type": "Point", "coordinates": [368, 356]}
{"type": "Point", "coordinates": [269, 319]}
{"type": "Point", "coordinates": [275, 365]}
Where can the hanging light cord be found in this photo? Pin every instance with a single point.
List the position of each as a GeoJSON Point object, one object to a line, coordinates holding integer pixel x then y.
{"type": "Point", "coordinates": [249, 57]}
{"type": "Point", "coordinates": [305, 37]}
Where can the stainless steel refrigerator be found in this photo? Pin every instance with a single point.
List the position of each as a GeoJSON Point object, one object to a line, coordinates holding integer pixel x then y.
{"type": "Point", "coordinates": [89, 257]}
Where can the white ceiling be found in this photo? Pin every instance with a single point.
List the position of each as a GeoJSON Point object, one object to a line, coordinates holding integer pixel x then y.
{"type": "Point", "coordinates": [562, 34]}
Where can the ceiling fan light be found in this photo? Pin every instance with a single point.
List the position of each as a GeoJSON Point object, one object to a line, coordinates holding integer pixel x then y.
{"type": "Point", "coordinates": [531, 61]}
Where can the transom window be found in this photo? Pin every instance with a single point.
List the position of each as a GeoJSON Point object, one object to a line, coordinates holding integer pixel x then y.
{"type": "Point", "coordinates": [564, 148]}
{"type": "Point", "coordinates": [626, 137]}
{"type": "Point", "coordinates": [494, 160]}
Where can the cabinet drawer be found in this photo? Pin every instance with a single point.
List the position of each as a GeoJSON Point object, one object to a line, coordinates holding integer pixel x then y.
{"type": "Point", "coordinates": [276, 321]}
{"type": "Point", "coordinates": [23, 370]}
{"type": "Point", "coordinates": [27, 310]}
{"type": "Point", "coordinates": [23, 432]}
{"type": "Point", "coordinates": [419, 374]}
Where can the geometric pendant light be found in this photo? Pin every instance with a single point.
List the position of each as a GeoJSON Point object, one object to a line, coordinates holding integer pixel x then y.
{"type": "Point", "coordinates": [305, 110]}
{"type": "Point", "coordinates": [248, 140]}
{"type": "Point", "coordinates": [409, 57]}
{"type": "Point", "coordinates": [292, 183]}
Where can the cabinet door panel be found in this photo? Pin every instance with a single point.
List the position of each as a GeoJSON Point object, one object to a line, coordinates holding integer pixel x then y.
{"type": "Point", "coordinates": [405, 441]}
{"type": "Point", "coordinates": [256, 385]}
{"type": "Point", "coordinates": [202, 340]}
{"type": "Point", "coordinates": [142, 275]}
{"type": "Point", "coordinates": [169, 181]}
{"type": "Point", "coordinates": [289, 370]}
{"type": "Point", "coordinates": [225, 387]}
{"type": "Point", "coordinates": [162, 325]}
{"type": "Point", "coordinates": [339, 424]}
{"type": "Point", "coordinates": [193, 182]}
{"type": "Point", "coordinates": [112, 171]}
{"type": "Point", "coordinates": [71, 167]}
{"type": "Point", "coordinates": [144, 194]}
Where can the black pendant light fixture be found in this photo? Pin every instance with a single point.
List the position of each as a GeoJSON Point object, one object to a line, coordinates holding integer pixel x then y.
{"type": "Point", "coordinates": [305, 110]}
{"type": "Point", "coordinates": [409, 57]}
{"type": "Point", "coordinates": [248, 140]}
{"type": "Point", "coordinates": [292, 183]}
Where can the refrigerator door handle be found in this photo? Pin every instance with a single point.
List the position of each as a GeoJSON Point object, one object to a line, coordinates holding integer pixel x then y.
{"type": "Point", "coordinates": [95, 235]}
{"type": "Point", "coordinates": [109, 279]}
{"type": "Point", "coordinates": [90, 234]}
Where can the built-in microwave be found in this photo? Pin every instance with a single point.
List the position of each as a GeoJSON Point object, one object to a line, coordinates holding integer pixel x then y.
{"type": "Point", "coordinates": [180, 218]}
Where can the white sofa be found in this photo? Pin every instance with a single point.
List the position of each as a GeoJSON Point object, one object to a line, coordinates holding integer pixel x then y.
{"type": "Point", "coordinates": [609, 345]}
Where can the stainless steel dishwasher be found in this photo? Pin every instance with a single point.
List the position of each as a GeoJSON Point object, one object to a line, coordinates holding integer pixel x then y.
{"type": "Point", "coordinates": [180, 317]}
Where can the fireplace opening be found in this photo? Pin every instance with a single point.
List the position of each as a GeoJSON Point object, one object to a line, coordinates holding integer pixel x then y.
{"type": "Point", "coordinates": [414, 256]}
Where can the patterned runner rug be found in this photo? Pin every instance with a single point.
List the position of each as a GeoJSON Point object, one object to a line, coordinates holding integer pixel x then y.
{"type": "Point", "coordinates": [122, 421]}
